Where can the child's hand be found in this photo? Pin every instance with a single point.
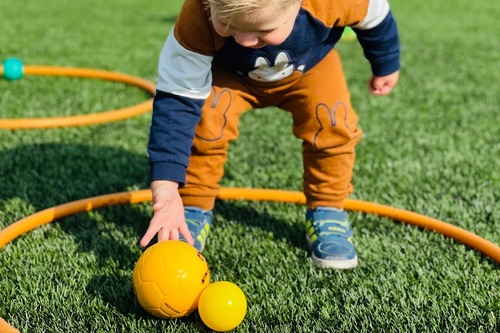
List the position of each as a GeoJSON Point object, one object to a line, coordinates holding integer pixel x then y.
{"type": "Point", "coordinates": [168, 219]}
{"type": "Point", "coordinates": [382, 85]}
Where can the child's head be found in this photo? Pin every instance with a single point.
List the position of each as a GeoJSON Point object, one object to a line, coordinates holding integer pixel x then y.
{"type": "Point", "coordinates": [254, 23]}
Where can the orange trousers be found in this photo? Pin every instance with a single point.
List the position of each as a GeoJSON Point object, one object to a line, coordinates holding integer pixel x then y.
{"type": "Point", "coordinates": [322, 118]}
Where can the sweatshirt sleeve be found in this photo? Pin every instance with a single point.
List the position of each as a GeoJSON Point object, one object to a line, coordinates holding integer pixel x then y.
{"type": "Point", "coordinates": [184, 82]}
{"type": "Point", "coordinates": [171, 135]}
{"type": "Point", "coordinates": [381, 45]}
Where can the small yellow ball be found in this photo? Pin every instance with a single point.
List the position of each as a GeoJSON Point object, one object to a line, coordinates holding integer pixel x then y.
{"type": "Point", "coordinates": [222, 306]}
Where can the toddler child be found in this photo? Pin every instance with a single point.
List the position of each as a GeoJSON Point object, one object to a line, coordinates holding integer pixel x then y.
{"type": "Point", "coordinates": [227, 56]}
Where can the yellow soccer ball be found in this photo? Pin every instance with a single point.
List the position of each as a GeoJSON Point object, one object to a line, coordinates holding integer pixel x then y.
{"type": "Point", "coordinates": [168, 279]}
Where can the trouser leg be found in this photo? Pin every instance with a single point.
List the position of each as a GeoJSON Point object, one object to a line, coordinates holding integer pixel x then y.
{"type": "Point", "coordinates": [327, 124]}
{"type": "Point", "coordinates": [218, 126]}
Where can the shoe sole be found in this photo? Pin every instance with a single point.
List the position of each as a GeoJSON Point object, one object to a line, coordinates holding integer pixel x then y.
{"type": "Point", "coordinates": [337, 264]}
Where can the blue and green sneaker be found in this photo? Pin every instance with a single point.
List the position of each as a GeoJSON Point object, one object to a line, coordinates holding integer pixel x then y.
{"type": "Point", "coordinates": [329, 237]}
{"type": "Point", "coordinates": [198, 221]}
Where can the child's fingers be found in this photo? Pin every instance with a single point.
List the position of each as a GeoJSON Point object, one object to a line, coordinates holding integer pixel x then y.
{"type": "Point", "coordinates": [148, 236]}
{"type": "Point", "coordinates": [184, 231]}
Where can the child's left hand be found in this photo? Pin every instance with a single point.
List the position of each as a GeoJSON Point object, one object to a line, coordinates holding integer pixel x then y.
{"type": "Point", "coordinates": [383, 85]}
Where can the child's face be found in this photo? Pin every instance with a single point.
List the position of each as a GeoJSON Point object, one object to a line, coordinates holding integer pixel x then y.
{"type": "Point", "coordinates": [266, 26]}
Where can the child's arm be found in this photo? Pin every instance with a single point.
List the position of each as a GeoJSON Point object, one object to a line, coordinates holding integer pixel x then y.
{"type": "Point", "coordinates": [382, 49]}
{"type": "Point", "coordinates": [171, 136]}
{"type": "Point", "coordinates": [184, 83]}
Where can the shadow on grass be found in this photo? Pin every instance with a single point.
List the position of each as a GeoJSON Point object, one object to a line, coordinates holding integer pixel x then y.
{"type": "Point", "coordinates": [50, 174]}
{"type": "Point", "coordinates": [292, 233]}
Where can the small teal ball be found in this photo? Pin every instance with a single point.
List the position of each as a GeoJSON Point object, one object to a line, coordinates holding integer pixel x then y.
{"type": "Point", "coordinates": [12, 69]}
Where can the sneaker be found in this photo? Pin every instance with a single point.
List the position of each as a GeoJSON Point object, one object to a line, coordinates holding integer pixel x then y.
{"type": "Point", "coordinates": [198, 221]}
{"type": "Point", "coordinates": [329, 237]}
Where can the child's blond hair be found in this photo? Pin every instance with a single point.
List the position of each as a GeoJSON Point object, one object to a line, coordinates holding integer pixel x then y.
{"type": "Point", "coordinates": [229, 8]}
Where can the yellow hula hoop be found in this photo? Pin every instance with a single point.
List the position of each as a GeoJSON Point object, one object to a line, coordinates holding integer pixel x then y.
{"type": "Point", "coordinates": [84, 119]}
{"type": "Point", "coordinates": [48, 215]}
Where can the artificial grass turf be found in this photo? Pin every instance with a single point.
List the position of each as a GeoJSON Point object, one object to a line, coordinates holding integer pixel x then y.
{"type": "Point", "coordinates": [430, 147]}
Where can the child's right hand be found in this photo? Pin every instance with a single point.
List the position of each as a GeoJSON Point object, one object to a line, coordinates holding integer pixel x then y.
{"type": "Point", "coordinates": [168, 219]}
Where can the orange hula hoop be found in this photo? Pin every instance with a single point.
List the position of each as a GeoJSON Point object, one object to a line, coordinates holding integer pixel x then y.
{"type": "Point", "coordinates": [84, 119]}
{"type": "Point", "coordinates": [48, 215]}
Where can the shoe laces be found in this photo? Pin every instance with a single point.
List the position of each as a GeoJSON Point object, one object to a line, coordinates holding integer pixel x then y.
{"type": "Point", "coordinates": [329, 222]}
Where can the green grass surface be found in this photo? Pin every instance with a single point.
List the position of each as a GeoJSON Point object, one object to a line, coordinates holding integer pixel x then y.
{"type": "Point", "coordinates": [431, 147]}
